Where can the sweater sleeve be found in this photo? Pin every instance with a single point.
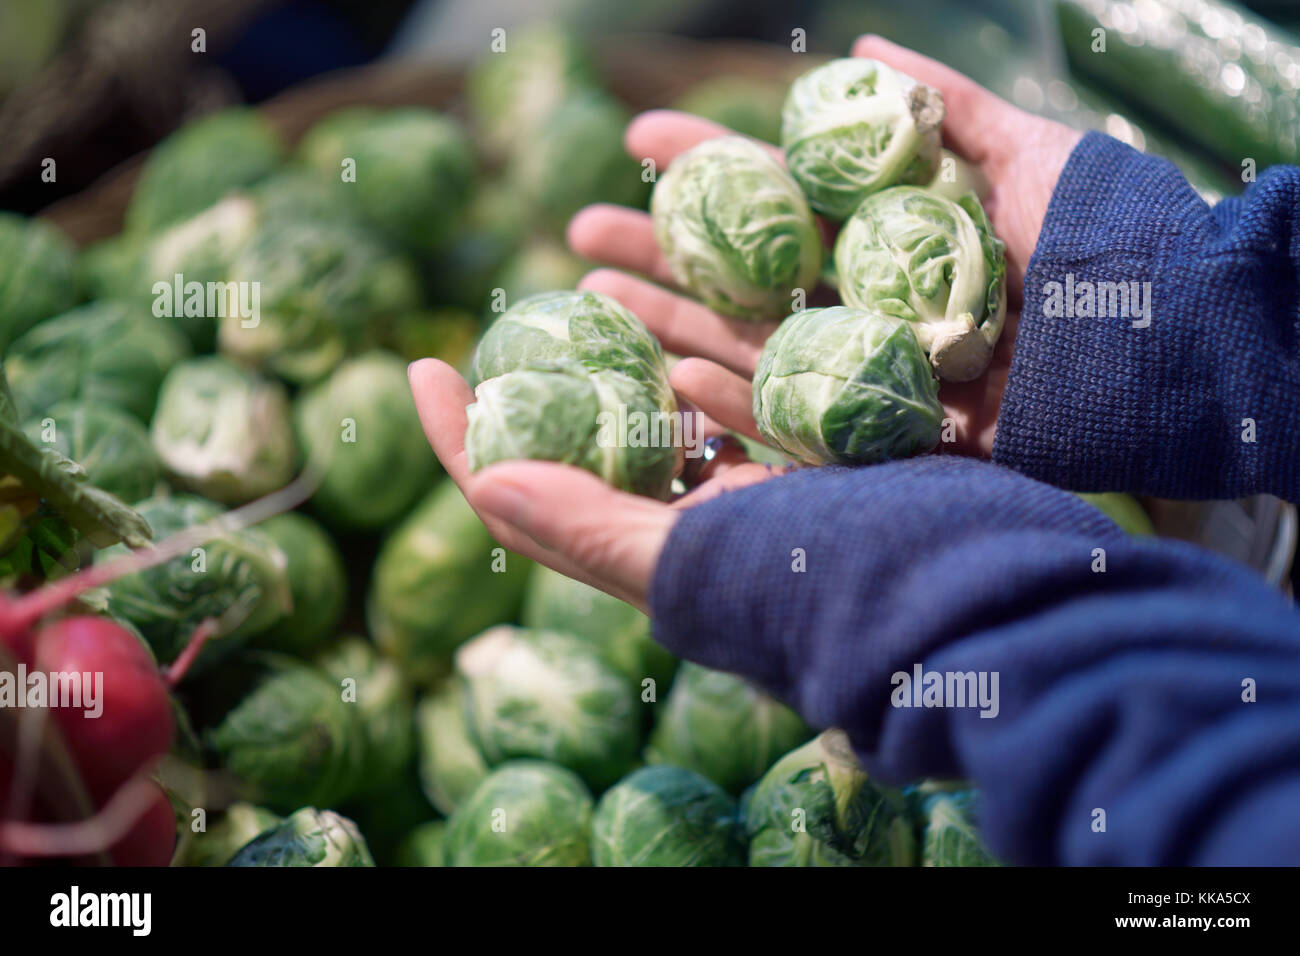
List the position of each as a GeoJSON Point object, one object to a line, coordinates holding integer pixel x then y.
{"type": "Point", "coordinates": [1158, 350]}
{"type": "Point", "coordinates": [1139, 677]}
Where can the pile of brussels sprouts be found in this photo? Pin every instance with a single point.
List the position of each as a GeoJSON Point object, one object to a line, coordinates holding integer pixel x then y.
{"type": "Point", "coordinates": [380, 682]}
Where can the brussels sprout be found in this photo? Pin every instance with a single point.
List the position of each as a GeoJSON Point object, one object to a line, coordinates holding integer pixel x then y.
{"type": "Point", "coordinates": [292, 739]}
{"type": "Point", "coordinates": [525, 813]}
{"type": "Point", "coordinates": [425, 845]}
{"type": "Point", "coordinates": [202, 249]}
{"type": "Point", "coordinates": [541, 266]}
{"type": "Point", "coordinates": [936, 263]}
{"type": "Point", "coordinates": [223, 431]}
{"type": "Point", "coordinates": [748, 105]}
{"type": "Point", "coordinates": [362, 427]}
{"type": "Point", "coordinates": [614, 629]}
{"type": "Point", "coordinates": [852, 127]}
{"type": "Point", "coordinates": [449, 759]}
{"type": "Point", "coordinates": [317, 584]}
{"type": "Point", "coordinates": [574, 377]}
{"type": "Point", "coordinates": [723, 727]}
{"type": "Point", "coordinates": [560, 411]}
{"type": "Point", "coordinates": [38, 274]}
{"type": "Point", "coordinates": [320, 287]}
{"type": "Point", "coordinates": [384, 710]}
{"type": "Point", "coordinates": [108, 442]}
{"type": "Point", "coordinates": [577, 158]}
{"type": "Point", "coordinates": [846, 820]}
{"type": "Point", "coordinates": [108, 353]}
{"type": "Point", "coordinates": [413, 170]}
{"type": "Point", "coordinates": [549, 695]}
{"type": "Point", "coordinates": [587, 327]}
{"type": "Point", "coordinates": [512, 92]}
{"type": "Point", "coordinates": [200, 163]}
{"type": "Point", "coordinates": [846, 386]}
{"type": "Point", "coordinates": [735, 230]}
{"type": "Point", "coordinates": [951, 837]}
{"type": "Point", "coordinates": [439, 579]}
{"type": "Point", "coordinates": [111, 268]}
{"type": "Point", "coordinates": [238, 579]}
{"type": "Point", "coordinates": [239, 824]}
{"type": "Point", "coordinates": [666, 816]}
{"type": "Point", "coordinates": [309, 837]}
{"type": "Point", "coordinates": [1124, 510]}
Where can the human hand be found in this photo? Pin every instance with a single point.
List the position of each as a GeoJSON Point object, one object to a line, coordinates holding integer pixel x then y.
{"type": "Point", "coordinates": [1021, 156]}
{"type": "Point", "coordinates": [559, 515]}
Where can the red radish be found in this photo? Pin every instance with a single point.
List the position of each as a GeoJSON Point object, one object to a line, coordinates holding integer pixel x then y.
{"type": "Point", "coordinates": [114, 751]}
{"type": "Point", "coordinates": [152, 840]}
{"type": "Point", "coordinates": [135, 726]}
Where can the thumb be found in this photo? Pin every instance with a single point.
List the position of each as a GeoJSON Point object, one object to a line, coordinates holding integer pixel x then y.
{"type": "Point", "coordinates": [613, 536]}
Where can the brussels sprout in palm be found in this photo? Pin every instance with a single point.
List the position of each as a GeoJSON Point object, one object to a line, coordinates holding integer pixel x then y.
{"type": "Point", "coordinates": [735, 229]}
{"type": "Point", "coordinates": [113, 353]}
{"type": "Point", "coordinates": [360, 424]}
{"type": "Point", "coordinates": [223, 431]}
{"type": "Point", "coordinates": [440, 578]}
{"type": "Point", "coordinates": [571, 377]}
{"type": "Point", "coordinates": [292, 740]}
{"type": "Point", "coordinates": [558, 410]}
{"type": "Point", "coordinates": [199, 164]}
{"type": "Point", "coordinates": [934, 263]}
{"type": "Point", "coordinates": [846, 820]}
{"type": "Point", "coordinates": [722, 727]}
{"type": "Point", "coordinates": [413, 170]}
{"type": "Point", "coordinates": [548, 695]}
{"type": "Point", "coordinates": [587, 327]}
{"type": "Point", "coordinates": [618, 632]}
{"type": "Point", "coordinates": [38, 274]}
{"type": "Point", "coordinates": [450, 763]}
{"type": "Point", "coordinates": [846, 386]}
{"type": "Point", "coordinates": [238, 580]}
{"type": "Point", "coordinates": [852, 127]}
{"type": "Point", "coordinates": [108, 442]}
{"type": "Point", "coordinates": [666, 816]}
{"type": "Point", "coordinates": [525, 813]}
{"type": "Point", "coordinates": [309, 837]}
{"type": "Point", "coordinates": [317, 584]}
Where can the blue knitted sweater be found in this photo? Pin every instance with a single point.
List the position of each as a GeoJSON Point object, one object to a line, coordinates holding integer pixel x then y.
{"type": "Point", "coordinates": [1147, 705]}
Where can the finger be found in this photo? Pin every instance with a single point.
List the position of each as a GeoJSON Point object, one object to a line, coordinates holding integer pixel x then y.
{"type": "Point", "coordinates": [440, 398]}
{"type": "Point", "coordinates": [613, 536]}
{"type": "Point", "coordinates": [683, 325]}
{"type": "Point", "coordinates": [974, 119]}
{"type": "Point", "coordinates": [663, 135]}
{"type": "Point", "coordinates": [723, 395]}
{"type": "Point", "coordinates": [620, 237]}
